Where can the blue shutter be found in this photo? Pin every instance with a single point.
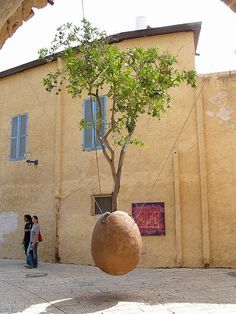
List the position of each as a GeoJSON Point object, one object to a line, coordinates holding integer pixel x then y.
{"type": "Point", "coordinates": [14, 128]}
{"type": "Point", "coordinates": [18, 137]}
{"type": "Point", "coordinates": [91, 116]}
{"type": "Point", "coordinates": [88, 132]}
{"type": "Point", "coordinates": [102, 100]}
{"type": "Point", "coordinates": [22, 136]}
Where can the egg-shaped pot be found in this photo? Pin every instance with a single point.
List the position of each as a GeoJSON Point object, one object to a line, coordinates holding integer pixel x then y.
{"type": "Point", "coordinates": [116, 243]}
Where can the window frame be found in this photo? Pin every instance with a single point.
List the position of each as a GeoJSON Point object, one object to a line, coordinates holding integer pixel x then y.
{"type": "Point", "coordinates": [94, 196]}
{"type": "Point", "coordinates": [93, 146]}
{"type": "Point", "coordinates": [19, 136]}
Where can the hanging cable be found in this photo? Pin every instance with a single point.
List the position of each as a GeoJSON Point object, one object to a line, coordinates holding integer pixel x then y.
{"type": "Point", "coordinates": [165, 161]}
{"type": "Point", "coordinates": [82, 3]}
{"type": "Point", "coordinates": [97, 205]}
{"type": "Point", "coordinates": [94, 139]}
{"type": "Point", "coordinates": [96, 153]}
{"type": "Point", "coordinates": [176, 140]}
{"type": "Point", "coordinates": [98, 173]}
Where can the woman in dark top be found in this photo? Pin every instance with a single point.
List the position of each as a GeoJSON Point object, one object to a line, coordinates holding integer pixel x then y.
{"type": "Point", "coordinates": [28, 226]}
{"type": "Point", "coordinates": [32, 254]}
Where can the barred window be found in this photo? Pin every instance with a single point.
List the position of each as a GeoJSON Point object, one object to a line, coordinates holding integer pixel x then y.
{"type": "Point", "coordinates": [102, 204]}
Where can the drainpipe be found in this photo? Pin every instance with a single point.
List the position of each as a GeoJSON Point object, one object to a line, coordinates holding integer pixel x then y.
{"type": "Point", "coordinates": [178, 224]}
{"type": "Point", "coordinates": [203, 179]}
{"type": "Point", "coordinates": [57, 244]}
{"type": "Point", "coordinates": [58, 163]}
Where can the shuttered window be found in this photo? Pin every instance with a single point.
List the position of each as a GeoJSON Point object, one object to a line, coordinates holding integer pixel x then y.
{"type": "Point", "coordinates": [93, 120]}
{"type": "Point", "coordinates": [18, 137]}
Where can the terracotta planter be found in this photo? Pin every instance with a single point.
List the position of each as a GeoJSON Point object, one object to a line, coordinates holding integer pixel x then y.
{"type": "Point", "coordinates": [116, 243]}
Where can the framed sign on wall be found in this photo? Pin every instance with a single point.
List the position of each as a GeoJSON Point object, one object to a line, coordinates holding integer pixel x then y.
{"type": "Point", "coordinates": [150, 218]}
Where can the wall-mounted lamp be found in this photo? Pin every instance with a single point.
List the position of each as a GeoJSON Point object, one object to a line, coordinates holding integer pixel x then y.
{"type": "Point", "coordinates": [29, 162]}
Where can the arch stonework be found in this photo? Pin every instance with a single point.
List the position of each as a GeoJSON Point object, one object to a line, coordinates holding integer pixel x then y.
{"type": "Point", "coordinates": [14, 12]}
{"type": "Point", "coordinates": [231, 4]}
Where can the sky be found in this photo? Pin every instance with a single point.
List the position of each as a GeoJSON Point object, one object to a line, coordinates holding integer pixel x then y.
{"type": "Point", "coordinates": [217, 41]}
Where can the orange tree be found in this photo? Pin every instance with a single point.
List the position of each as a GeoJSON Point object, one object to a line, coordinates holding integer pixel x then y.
{"type": "Point", "coordinates": [138, 82]}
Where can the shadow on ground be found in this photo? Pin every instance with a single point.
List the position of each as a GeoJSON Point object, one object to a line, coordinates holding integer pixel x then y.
{"type": "Point", "coordinates": [63, 288]}
{"type": "Point", "coordinates": [94, 302]}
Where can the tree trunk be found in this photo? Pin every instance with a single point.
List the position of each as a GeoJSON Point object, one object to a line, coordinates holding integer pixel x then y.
{"type": "Point", "coordinates": [117, 178]}
{"type": "Point", "coordinates": [115, 196]}
{"type": "Point", "coordinates": [116, 173]}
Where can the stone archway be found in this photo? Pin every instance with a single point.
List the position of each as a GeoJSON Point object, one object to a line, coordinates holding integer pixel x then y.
{"type": "Point", "coordinates": [231, 4]}
{"type": "Point", "coordinates": [14, 12]}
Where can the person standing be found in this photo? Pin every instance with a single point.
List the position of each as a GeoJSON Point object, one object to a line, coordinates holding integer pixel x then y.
{"type": "Point", "coordinates": [32, 251]}
{"type": "Point", "coordinates": [28, 226]}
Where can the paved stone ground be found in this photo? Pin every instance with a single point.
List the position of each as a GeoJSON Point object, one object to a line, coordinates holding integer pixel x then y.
{"type": "Point", "coordinates": [59, 288]}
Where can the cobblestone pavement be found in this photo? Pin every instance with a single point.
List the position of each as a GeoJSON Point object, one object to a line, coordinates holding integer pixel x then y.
{"type": "Point", "coordinates": [60, 288]}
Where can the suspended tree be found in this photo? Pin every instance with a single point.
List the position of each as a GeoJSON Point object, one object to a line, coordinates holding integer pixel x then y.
{"type": "Point", "coordinates": [137, 82]}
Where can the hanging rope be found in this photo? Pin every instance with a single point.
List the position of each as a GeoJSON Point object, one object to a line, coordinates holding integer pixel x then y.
{"type": "Point", "coordinates": [94, 139]}
{"type": "Point", "coordinates": [96, 153]}
{"type": "Point", "coordinates": [98, 173]}
{"type": "Point", "coordinates": [82, 3]}
{"type": "Point", "coordinates": [94, 126]}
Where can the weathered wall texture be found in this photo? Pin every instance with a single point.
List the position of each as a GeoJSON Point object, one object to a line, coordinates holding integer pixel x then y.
{"type": "Point", "coordinates": [195, 139]}
{"type": "Point", "coordinates": [219, 107]}
{"type": "Point", "coordinates": [8, 224]}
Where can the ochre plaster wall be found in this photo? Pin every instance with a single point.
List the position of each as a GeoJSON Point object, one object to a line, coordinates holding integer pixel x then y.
{"type": "Point", "coordinates": [187, 162]}
{"type": "Point", "coordinates": [25, 189]}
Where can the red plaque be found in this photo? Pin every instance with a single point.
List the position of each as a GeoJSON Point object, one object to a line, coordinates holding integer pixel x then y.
{"type": "Point", "coordinates": [150, 218]}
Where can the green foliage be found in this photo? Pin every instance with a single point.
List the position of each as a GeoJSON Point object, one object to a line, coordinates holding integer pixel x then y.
{"type": "Point", "coordinates": [138, 80]}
